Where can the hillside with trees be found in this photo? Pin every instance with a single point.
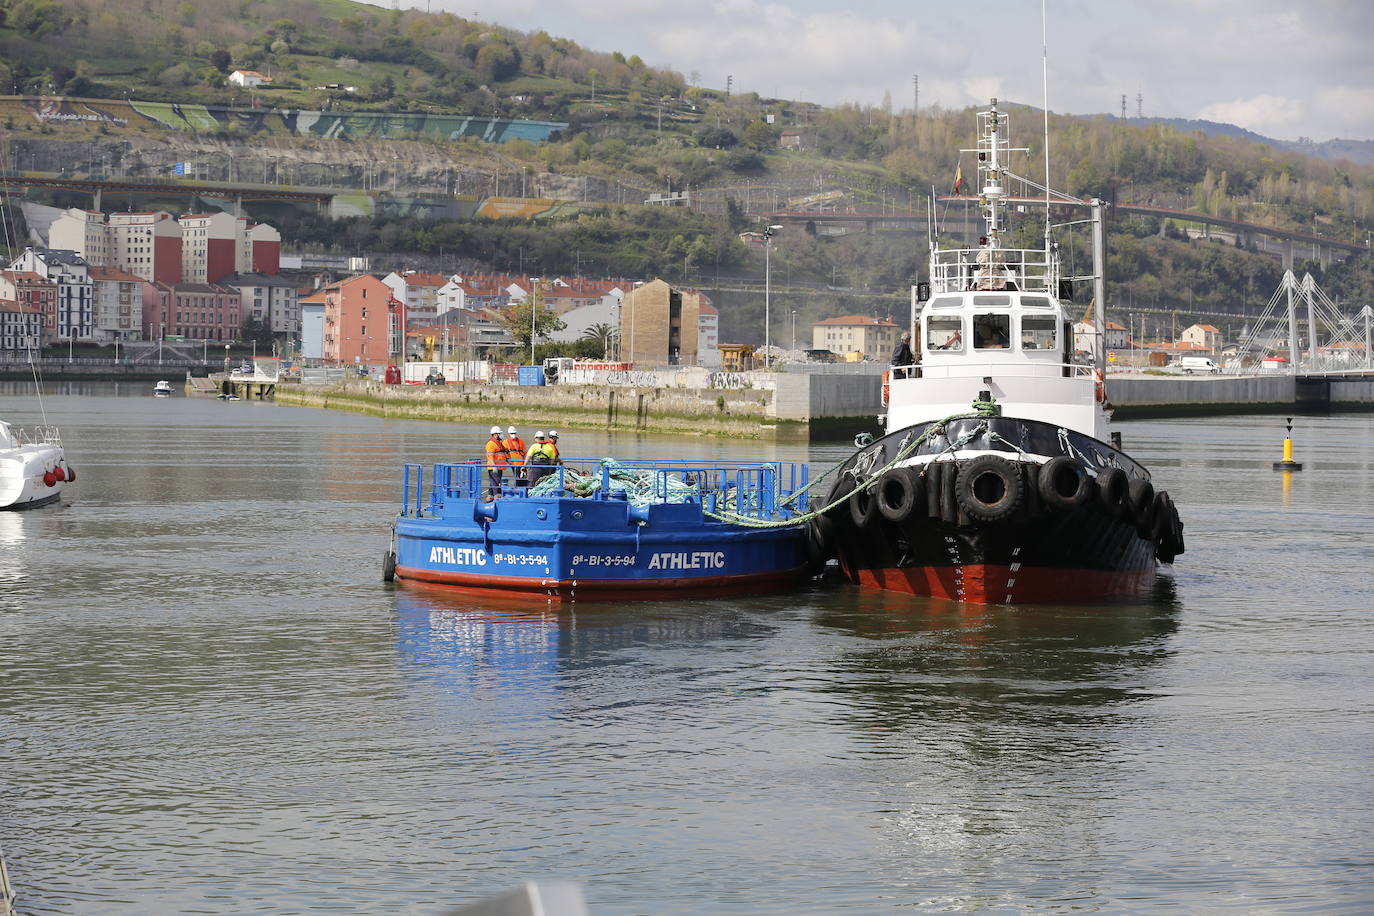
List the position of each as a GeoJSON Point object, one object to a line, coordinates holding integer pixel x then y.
{"type": "Point", "coordinates": [638, 128]}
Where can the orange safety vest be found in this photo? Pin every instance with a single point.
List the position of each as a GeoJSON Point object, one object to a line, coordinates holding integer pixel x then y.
{"type": "Point", "coordinates": [496, 454]}
{"type": "Point", "coordinates": [515, 451]}
{"type": "Point", "coordinates": [555, 457]}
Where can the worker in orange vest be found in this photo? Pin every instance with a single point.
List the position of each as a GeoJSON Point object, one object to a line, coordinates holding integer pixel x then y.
{"type": "Point", "coordinates": [496, 463]}
{"type": "Point", "coordinates": [515, 455]}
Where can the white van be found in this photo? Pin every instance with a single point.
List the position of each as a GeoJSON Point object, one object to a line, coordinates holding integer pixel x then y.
{"type": "Point", "coordinates": [1191, 364]}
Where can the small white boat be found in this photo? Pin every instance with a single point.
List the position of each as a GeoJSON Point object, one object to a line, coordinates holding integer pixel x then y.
{"type": "Point", "coordinates": [33, 468]}
{"type": "Point", "coordinates": [162, 389]}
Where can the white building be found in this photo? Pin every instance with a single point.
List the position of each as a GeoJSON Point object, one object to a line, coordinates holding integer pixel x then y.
{"type": "Point", "coordinates": [273, 299]}
{"type": "Point", "coordinates": [1085, 333]}
{"type": "Point", "coordinates": [248, 79]}
{"type": "Point", "coordinates": [118, 304]}
{"type": "Point", "coordinates": [75, 295]}
{"type": "Point", "coordinates": [147, 245]}
{"type": "Point", "coordinates": [420, 292]}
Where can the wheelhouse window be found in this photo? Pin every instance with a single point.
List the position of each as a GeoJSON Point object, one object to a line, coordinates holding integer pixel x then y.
{"type": "Point", "coordinates": [991, 332]}
{"type": "Point", "coordinates": [945, 332]}
{"type": "Point", "coordinates": [1039, 332]}
{"type": "Point", "coordinates": [1036, 302]}
{"type": "Point", "coordinates": [946, 302]}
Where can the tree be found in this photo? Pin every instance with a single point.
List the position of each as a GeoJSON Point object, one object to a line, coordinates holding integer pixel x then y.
{"type": "Point", "coordinates": [758, 135]}
{"type": "Point", "coordinates": [221, 60]}
{"type": "Point", "coordinates": [602, 334]}
{"type": "Point", "coordinates": [530, 313]}
{"type": "Point", "coordinates": [256, 329]}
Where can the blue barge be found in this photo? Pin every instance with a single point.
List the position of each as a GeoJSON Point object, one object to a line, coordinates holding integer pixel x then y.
{"type": "Point", "coordinates": [647, 529]}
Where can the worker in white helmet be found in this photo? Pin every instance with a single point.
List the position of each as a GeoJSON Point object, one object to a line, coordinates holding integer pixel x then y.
{"type": "Point", "coordinates": [496, 463]}
{"type": "Point", "coordinates": [553, 441]}
{"type": "Point", "coordinates": [540, 458]}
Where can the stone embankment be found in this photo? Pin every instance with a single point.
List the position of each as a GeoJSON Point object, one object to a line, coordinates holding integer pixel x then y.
{"type": "Point", "coordinates": [740, 413]}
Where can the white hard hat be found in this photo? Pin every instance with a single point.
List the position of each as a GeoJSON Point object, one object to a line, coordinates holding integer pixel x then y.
{"type": "Point", "coordinates": [511, 430]}
{"type": "Point", "coordinates": [539, 435]}
{"type": "Point", "coordinates": [553, 434]}
{"type": "Point", "coordinates": [496, 430]}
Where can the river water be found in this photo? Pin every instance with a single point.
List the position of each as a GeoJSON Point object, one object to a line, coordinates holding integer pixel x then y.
{"type": "Point", "coordinates": [210, 702]}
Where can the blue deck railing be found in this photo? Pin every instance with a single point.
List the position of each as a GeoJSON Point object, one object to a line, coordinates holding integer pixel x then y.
{"type": "Point", "coordinates": [755, 489]}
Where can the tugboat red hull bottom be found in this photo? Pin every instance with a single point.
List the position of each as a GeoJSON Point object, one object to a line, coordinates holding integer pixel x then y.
{"type": "Point", "coordinates": [988, 583]}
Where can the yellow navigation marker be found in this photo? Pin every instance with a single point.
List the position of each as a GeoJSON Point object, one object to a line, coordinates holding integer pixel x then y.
{"type": "Point", "coordinates": [1288, 464]}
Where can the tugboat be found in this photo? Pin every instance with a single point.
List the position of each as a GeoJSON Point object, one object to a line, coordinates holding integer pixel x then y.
{"type": "Point", "coordinates": [995, 481]}
{"type": "Point", "coordinates": [650, 529]}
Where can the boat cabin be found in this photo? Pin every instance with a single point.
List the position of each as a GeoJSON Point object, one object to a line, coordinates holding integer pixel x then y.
{"type": "Point", "coordinates": [1010, 344]}
{"type": "Point", "coordinates": [965, 333]}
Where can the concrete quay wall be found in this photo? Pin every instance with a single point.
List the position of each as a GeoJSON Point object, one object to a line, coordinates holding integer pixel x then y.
{"type": "Point", "coordinates": [741, 413]}
{"type": "Point", "coordinates": [1147, 395]}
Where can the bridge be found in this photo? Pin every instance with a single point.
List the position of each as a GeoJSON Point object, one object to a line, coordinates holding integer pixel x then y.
{"type": "Point", "coordinates": [1290, 242]}
{"type": "Point", "coordinates": [97, 187]}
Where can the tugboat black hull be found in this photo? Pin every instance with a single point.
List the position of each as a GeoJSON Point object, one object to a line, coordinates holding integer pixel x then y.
{"type": "Point", "coordinates": [998, 510]}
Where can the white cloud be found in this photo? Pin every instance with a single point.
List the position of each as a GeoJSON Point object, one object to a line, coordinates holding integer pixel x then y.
{"type": "Point", "coordinates": [1270, 115]}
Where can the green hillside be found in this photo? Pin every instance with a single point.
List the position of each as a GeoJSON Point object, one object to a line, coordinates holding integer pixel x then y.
{"type": "Point", "coordinates": [634, 126]}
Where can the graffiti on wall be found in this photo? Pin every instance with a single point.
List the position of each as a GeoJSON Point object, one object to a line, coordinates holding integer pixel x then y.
{"type": "Point", "coordinates": [357, 125]}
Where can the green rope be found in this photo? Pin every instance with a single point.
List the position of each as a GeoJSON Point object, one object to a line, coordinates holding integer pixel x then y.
{"type": "Point", "coordinates": [902, 453]}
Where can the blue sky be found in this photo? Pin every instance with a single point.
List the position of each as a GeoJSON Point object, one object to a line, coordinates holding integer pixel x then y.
{"type": "Point", "coordinates": [1280, 68]}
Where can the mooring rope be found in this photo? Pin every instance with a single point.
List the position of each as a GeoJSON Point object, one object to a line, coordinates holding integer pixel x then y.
{"type": "Point", "coordinates": [981, 410]}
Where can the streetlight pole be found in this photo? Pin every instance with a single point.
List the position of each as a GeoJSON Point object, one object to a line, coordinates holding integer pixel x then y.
{"type": "Point", "coordinates": [794, 329]}
{"type": "Point", "coordinates": [162, 333]}
{"type": "Point", "coordinates": [768, 287]}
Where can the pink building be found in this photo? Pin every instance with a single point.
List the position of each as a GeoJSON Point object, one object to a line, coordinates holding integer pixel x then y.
{"type": "Point", "coordinates": [363, 322]}
{"type": "Point", "coordinates": [196, 311]}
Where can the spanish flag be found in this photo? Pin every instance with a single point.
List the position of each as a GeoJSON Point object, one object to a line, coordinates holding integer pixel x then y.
{"type": "Point", "coordinates": [959, 177]}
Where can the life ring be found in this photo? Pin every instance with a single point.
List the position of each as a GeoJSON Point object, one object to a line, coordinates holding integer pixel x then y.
{"type": "Point", "coordinates": [863, 505]}
{"type": "Point", "coordinates": [989, 488]}
{"type": "Point", "coordinates": [389, 566]}
{"type": "Point", "coordinates": [900, 494]}
{"type": "Point", "coordinates": [1063, 485]}
{"type": "Point", "coordinates": [1113, 492]}
{"type": "Point", "coordinates": [1141, 496]}
{"type": "Point", "coordinates": [887, 386]}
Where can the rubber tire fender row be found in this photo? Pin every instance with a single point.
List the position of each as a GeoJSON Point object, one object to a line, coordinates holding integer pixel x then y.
{"type": "Point", "coordinates": [1063, 485]}
{"type": "Point", "coordinates": [1113, 492]}
{"type": "Point", "coordinates": [901, 494]}
{"type": "Point", "coordinates": [989, 488]}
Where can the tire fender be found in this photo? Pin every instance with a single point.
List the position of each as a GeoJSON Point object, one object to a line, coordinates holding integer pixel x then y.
{"type": "Point", "coordinates": [1113, 492]}
{"type": "Point", "coordinates": [989, 488]}
{"type": "Point", "coordinates": [900, 494]}
{"type": "Point", "coordinates": [1063, 485]}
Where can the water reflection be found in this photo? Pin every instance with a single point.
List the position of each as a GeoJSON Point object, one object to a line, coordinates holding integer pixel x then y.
{"type": "Point", "coordinates": [965, 714]}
